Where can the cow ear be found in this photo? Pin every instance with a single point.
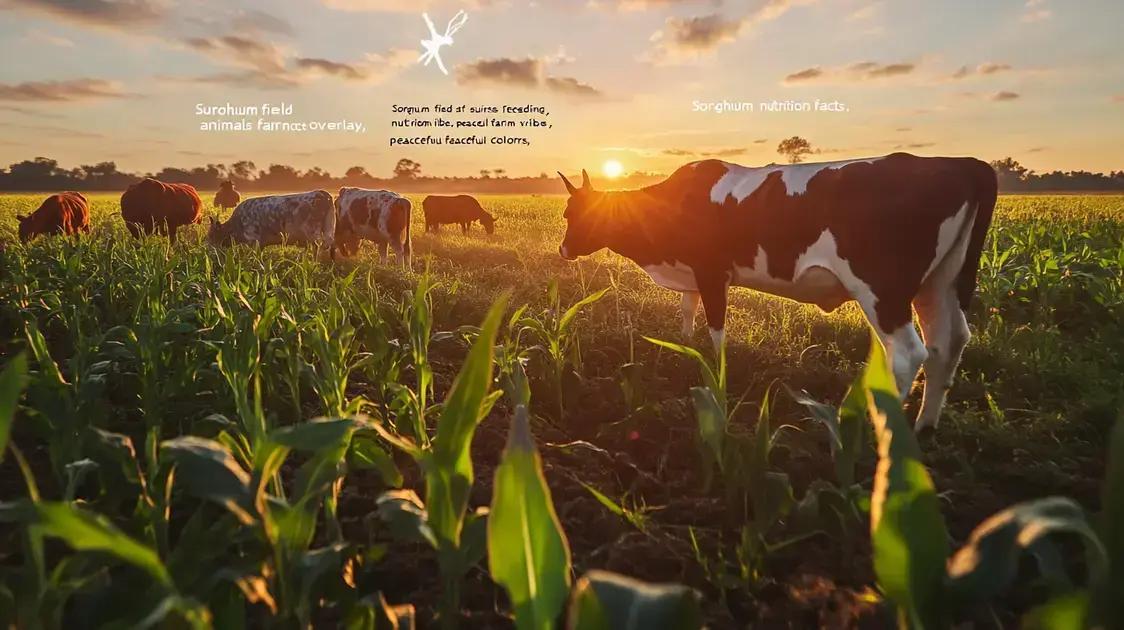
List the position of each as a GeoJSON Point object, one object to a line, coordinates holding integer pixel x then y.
{"type": "Point", "coordinates": [569, 187]}
{"type": "Point", "coordinates": [586, 185]}
{"type": "Point", "coordinates": [214, 221]}
{"type": "Point", "coordinates": [21, 217]}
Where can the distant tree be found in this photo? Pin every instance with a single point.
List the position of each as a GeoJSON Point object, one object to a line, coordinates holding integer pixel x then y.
{"type": "Point", "coordinates": [1014, 176]}
{"type": "Point", "coordinates": [795, 149]}
{"type": "Point", "coordinates": [278, 177]}
{"type": "Point", "coordinates": [407, 169]}
{"type": "Point", "coordinates": [485, 173]}
{"type": "Point", "coordinates": [242, 170]}
{"type": "Point", "coordinates": [357, 172]}
{"type": "Point", "coordinates": [499, 172]}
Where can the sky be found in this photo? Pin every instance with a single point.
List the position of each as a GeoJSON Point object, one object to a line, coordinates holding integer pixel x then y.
{"type": "Point", "coordinates": [87, 81]}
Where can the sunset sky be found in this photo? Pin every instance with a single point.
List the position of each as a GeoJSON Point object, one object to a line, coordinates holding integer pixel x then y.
{"type": "Point", "coordinates": [86, 81]}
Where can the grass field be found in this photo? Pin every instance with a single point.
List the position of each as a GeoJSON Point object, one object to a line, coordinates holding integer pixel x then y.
{"type": "Point", "coordinates": [243, 346]}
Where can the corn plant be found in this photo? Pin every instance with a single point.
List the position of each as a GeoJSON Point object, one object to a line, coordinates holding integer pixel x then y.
{"type": "Point", "coordinates": [908, 535]}
{"type": "Point", "coordinates": [527, 552]}
{"type": "Point", "coordinates": [443, 520]}
{"type": "Point", "coordinates": [556, 341]}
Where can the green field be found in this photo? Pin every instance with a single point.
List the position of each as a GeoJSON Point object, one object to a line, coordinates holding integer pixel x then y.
{"type": "Point", "coordinates": [269, 519]}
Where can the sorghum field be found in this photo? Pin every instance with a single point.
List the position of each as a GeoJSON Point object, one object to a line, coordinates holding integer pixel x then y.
{"type": "Point", "coordinates": [255, 438]}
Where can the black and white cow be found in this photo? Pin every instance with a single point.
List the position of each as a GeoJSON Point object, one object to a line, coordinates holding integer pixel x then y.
{"type": "Point", "coordinates": [307, 218]}
{"type": "Point", "coordinates": [888, 232]}
{"type": "Point", "coordinates": [380, 216]}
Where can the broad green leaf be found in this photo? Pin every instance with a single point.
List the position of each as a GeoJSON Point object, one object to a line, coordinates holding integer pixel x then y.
{"type": "Point", "coordinates": [712, 422]}
{"type": "Point", "coordinates": [908, 536]}
{"type": "Point", "coordinates": [572, 312]}
{"type": "Point", "coordinates": [474, 538]}
{"type": "Point", "coordinates": [315, 435]}
{"type": "Point", "coordinates": [365, 453]}
{"type": "Point", "coordinates": [12, 381]}
{"type": "Point", "coordinates": [405, 515]}
{"type": "Point", "coordinates": [86, 531]}
{"type": "Point", "coordinates": [604, 600]}
{"type": "Point", "coordinates": [852, 433]}
{"type": "Point", "coordinates": [1064, 612]}
{"type": "Point", "coordinates": [448, 472]}
{"type": "Point", "coordinates": [210, 472]}
{"type": "Point", "coordinates": [528, 553]}
{"type": "Point", "coordinates": [711, 378]}
{"type": "Point", "coordinates": [989, 561]}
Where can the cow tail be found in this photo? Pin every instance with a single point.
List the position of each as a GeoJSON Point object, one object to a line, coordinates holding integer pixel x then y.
{"type": "Point", "coordinates": [986, 189]}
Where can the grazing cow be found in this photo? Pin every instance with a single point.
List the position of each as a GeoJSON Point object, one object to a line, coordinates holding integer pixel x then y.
{"type": "Point", "coordinates": [888, 232]}
{"type": "Point", "coordinates": [462, 209]}
{"type": "Point", "coordinates": [380, 216]}
{"type": "Point", "coordinates": [306, 218]}
{"type": "Point", "coordinates": [153, 206]}
{"type": "Point", "coordinates": [63, 213]}
{"type": "Point", "coordinates": [227, 197]}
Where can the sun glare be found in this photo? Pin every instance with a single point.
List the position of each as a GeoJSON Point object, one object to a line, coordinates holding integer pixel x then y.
{"type": "Point", "coordinates": [612, 169]}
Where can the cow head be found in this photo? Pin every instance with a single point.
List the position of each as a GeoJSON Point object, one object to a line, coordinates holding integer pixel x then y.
{"type": "Point", "coordinates": [25, 228]}
{"type": "Point", "coordinates": [489, 223]}
{"type": "Point", "coordinates": [219, 234]}
{"type": "Point", "coordinates": [226, 185]}
{"type": "Point", "coordinates": [587, 229]}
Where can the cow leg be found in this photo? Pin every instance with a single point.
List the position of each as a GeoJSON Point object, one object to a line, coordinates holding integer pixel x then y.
{"type": "Point", "coordinates": [382, 253]}
{"type": "Point", "coordinates": [945, 329]}
{"type": "Point", "coordinates": [689, 306]}
{"type": "Point", "coordinates": [400, 253]}
{"type": "Point", "coordinates": [134, 229]}
{"type": "Point", "coordinates": [893, 322]}
{"type": "Point", "coordinates": [172, 234]}
{"type": "Point", "coordinates": [713, 290]}
{"type": "Point", "coordinates": [464, 228]}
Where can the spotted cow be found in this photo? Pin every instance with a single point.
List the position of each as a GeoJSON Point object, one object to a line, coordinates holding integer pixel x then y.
{"type": "Point", "coordinates": [888, 232]}
{"type": "Point", "coordinates": [459, 209]}
{"type": "Point", "coordinates": [306, 218]}
{"type": "Point", "coordinates": [380, 216]}
{"type": "Point", "coordinates": [62, 213]}
{"type": "Point", "coordinates": [227, 196]}
{"type": "Point", "coordinates": [152, 206]}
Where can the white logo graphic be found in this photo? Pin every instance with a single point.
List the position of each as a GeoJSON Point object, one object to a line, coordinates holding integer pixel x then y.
{"type": "Point", "coordinates": [433, 45]}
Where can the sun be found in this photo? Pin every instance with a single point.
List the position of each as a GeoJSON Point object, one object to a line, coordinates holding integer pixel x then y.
{"type": "Point", "coordinates": [612, 169]}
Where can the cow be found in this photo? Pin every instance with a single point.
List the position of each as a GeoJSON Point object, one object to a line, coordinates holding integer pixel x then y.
{"type": "Point", "coordinates": [61, 213]}
{"type": "Point", "coordinates": [888, 232]}
{"type": "Point", "coordinates": [227, 196]}
{"type": "Point", "coordinates": [306, 218]}
{"type": "Point", "coordinates": [380, 216]}
{"type": "Point", "coordinates": [462, 209]}
{"type": "Point", "coordinates": [152, 206]}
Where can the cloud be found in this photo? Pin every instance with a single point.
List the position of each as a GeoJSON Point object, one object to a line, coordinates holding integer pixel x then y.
{"type": "Point", "coordinates": [120, 14]}
{"type": "Point", "coordinates": [1037, 149]}
{"type": "Point", "coordinates": [760, 141]}
{"type": "Point", "coordinates": [60, 91]}
{"type": "Point", "coordinates": [344, 70]}
{"type": "Point", "coordinates": [527, 73]}
{"type": "Point", "coordinates": [57, 132]}
{"type": "Point", "coordinates": [677, 152]}
{"type": "Point", "coordinates": [1004, 96]}
{"type": "Point", "coordinates": [641, 5]}
{"type": "Point", "coordinates": [255, 20]}
{"type": "Point", "coordinates": [1036, 11]}
{"type": "Point", "coordinates": [241, 51]}
{"type": "Point", "coordinates": [405, 6]}
{"type": "Point", "coordinates": [856, 72]}
{"type": "Point", "coordinates": [1118, 98]}
{"type": "Point", "coordinates": [730, 152]}
{"type": "Point", "coordinates": [36, 36]}
{"type": "Point", "coordinates": [984, 69]}
{"type": "Point", "coordinates": [914, 145]}
{"type": "Point", "coordinates": [683, 39]}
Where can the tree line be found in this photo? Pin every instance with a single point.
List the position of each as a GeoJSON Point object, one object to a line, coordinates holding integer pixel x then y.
{"type": "Point", "coordinates": [43, 174]}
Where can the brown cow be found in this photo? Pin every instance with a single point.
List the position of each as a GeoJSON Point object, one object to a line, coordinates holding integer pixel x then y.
{"type": "Point", "coordinates": [227, 196]}
{"type": "Point", "coordinates": [459, 209]}
{"type": "Point", "coordinates": [63, 213]}
{"type": "Point", "coordinates": [153, 206]}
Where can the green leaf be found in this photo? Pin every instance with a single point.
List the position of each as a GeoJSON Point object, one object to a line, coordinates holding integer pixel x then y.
{"type": "Point", "coordinates": [908, 536]}
{"type": "Point", "coordinates": [711, 418]}
{"type": "Point", "coordinates": [374, 613]}
{"type": "Point", "coordinates": [572, 312]}
{"type": "Point", "coordinates": [1107, 598]}
{"type": "Point", "coordinates": [315, 435]}
{"type": "Point", "coordinates": [365, 453]}
{"type": "Point", "coordinates": [528, 554]}
{"type": "Point", "coordinates": [405, 515]}
{"type": "Point", "coordinates": [989, 561]}
{"type": "Point", "coordinates": [12, 381]}
{"type": "Point", "coordinates": [1064, 612]}
{"type": "Point", "coordinates": [449, 473]}
{"type": "Point", "coordinates": [86, 531]}
{"type": "Point", "coordinates": [604, 600]}
{"type": "Point", "coordinates": [210, 472]}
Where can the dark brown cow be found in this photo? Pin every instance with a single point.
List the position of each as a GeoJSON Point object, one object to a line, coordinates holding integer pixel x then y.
{"type": "Point", "coordinates": [63, 213]}
{"type": "Point", "coordinates": [227, 196]}
{"type": "Point", "coordinates": [889, 232]}
{"type": "Point", "coordinates": [152, 206]}
{"type": "Point", "coordinates": [459, 209]}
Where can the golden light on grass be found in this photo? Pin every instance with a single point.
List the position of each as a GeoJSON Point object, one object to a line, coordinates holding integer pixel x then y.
{"type": "Point", "coordinates": [612, 169]}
